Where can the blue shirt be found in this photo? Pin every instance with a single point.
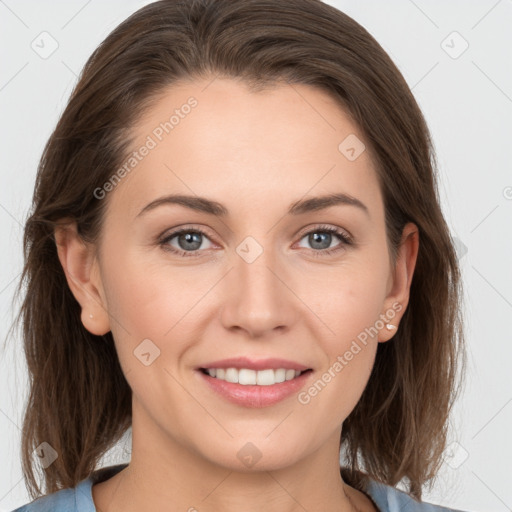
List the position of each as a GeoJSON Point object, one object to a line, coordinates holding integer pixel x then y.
{"type": "Point", "coordinates": [79, 498]}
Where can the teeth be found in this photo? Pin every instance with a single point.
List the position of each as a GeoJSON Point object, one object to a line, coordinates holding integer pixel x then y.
{"type": "Point", "coordinates": [247, 377]}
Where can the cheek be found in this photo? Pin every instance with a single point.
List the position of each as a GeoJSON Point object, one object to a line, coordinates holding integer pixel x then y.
{"type": "Point", "coordinates": [152, 300]}
{"type": "Point", "coordinates": [151, 297]}
{"type": "Point", "coordinates": [152, 312]}
{"type": "Point", "coordinates": [351, 310]}
{"type": "Point", "coordinates": [351, 307]}
{"type": "Point", "coordinates": [351, 299]}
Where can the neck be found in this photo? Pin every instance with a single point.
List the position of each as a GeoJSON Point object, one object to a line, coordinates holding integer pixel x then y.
{"type": "Point", "coordinates": [165, 474]}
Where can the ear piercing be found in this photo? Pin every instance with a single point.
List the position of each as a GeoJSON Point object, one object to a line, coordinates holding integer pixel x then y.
{"type": "Point", "coordinates": [390, 327]}
{"type": "Point", "coordinates": [90, 315]}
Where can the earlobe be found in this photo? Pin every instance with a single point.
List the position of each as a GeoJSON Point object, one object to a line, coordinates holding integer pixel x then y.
{"type": "Point", "coordinates": [401, 282]}
{"type": "Point", "coordinates": [79, 264]}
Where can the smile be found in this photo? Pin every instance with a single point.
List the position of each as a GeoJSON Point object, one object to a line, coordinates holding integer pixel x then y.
{"type": "Point", "coordinates": [247, 377]}
{"type": "Point", "coordinates": [244, 392]}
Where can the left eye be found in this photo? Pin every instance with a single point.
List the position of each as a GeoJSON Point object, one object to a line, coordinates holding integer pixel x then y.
{"type": "Point", "coordinates": [321, 238]}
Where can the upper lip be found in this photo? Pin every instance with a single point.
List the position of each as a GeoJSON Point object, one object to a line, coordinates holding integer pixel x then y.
{"type": "Point", "coordinates": [253, 364]}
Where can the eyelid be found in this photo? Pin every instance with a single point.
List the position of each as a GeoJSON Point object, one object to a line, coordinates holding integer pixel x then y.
{"type": "Point", "coordinates": [186, 227]}
{"type": "Point", "coordinates": [326, 227]}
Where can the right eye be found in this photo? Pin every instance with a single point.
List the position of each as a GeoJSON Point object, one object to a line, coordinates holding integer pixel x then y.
{"type": "Point", "coordinates": [189, 242]}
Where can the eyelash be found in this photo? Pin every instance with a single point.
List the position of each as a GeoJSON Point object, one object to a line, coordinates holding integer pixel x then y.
{"type": "Point", "coordinates": [344, 238]}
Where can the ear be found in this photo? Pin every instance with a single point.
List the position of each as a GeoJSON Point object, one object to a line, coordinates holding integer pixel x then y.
{"type": "Point", "coordinates": [80, 265]}
{"type": "Point", "coordinates": [400, 281]}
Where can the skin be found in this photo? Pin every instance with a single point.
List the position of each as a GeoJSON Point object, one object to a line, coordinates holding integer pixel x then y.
{"type": "Point", "coordinates": [256, 153]}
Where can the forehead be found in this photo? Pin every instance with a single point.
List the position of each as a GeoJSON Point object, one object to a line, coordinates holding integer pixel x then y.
{"type": "Point", "coordinates": [216, 138]}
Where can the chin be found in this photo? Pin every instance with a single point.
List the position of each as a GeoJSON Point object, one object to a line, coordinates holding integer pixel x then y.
{"type": "Point", "coordinates": [259, 454]}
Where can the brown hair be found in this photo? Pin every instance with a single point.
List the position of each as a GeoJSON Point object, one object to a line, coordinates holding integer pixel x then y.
{"type": "Point", "coordinates": [79, 401]}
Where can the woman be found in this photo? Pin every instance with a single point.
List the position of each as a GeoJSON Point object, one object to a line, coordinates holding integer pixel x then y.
{"type": "Point", "coordinates": [179, 279]}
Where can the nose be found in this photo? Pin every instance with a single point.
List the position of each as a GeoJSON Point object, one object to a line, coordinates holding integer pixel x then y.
{"type": "Point", "coordinates": [258, 298]}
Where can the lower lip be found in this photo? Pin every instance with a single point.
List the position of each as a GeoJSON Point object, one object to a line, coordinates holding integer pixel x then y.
{"type": "Point", "coordinates": [256, 396]}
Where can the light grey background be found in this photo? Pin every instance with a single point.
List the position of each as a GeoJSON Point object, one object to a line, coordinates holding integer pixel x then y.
{"type": "Point", "coordinates": [466, 97]}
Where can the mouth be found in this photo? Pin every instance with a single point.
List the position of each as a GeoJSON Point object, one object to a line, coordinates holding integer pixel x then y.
{"type": "Point", "coordinates": [266, 385]}
{"type": "Point", "coordinates": [250, 382]}
{"type": "Point", "coordinates": [250, 377]}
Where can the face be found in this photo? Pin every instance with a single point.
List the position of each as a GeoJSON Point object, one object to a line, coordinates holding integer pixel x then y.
{"type": "Point", "coordinates": [258, 272]}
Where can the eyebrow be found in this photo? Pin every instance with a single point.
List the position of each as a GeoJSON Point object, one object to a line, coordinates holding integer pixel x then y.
{"type": "Point", "coordinates": [201, 204]}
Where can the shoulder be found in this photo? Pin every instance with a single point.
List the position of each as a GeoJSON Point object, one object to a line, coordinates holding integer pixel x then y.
{"type": "Point", "coordinates": [391, 499]}
{"type": "Point", "coordinates": [60, 501]}
{"type": "Point", "coordinates": [74, 499]}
